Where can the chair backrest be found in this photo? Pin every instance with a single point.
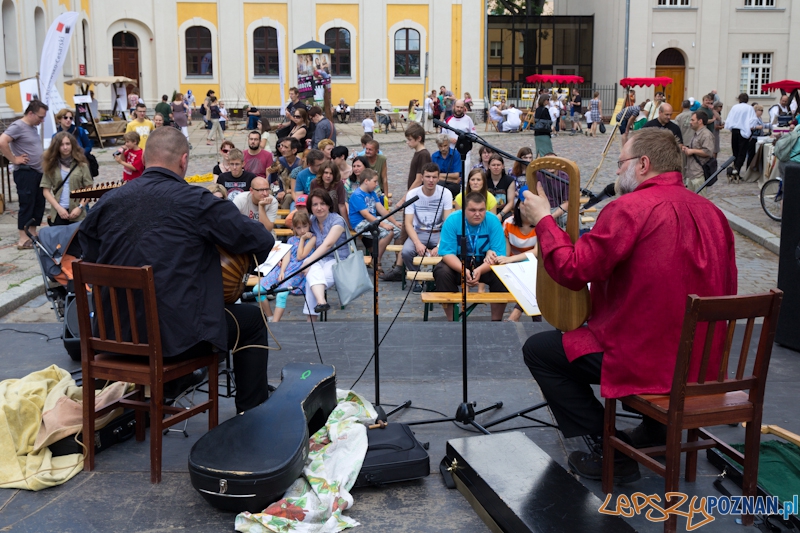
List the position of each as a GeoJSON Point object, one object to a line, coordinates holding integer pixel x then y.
{"type": "Point", "coordinates": [708, 312]}
{"type": "Point", "coordinates": [121, 288]}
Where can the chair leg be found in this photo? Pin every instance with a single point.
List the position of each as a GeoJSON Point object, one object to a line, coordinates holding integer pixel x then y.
{"type": "Point", "coordinates": [691, 457]}
{"type": "Point", "coordinates": [672, 475]}
{"type": "Point", "coordinates": [139, 416]}
{"type": "Point", "coordinates": [752, 439]}
{"type": "Point", "coordinates": [156, 429]}
{"type": "Point", "coordinates": [88, 419]}
{"type": "Point", "coordinates": [609, 429]}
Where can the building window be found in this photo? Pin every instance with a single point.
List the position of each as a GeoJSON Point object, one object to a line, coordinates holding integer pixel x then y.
{"type": "Point", "coordinates": [406, 53]}
{"type": "Point", "coordinates": [756, 71]}
{"type": "Point", "coordinates": [759, 3]}
{"type": "Point", "coordinates": [265, 51]}
{"type": "Point", "coordinates": [496, 49]}
{"type": "Point", "coordinates": [674, 3]}
{"type": "Point", "coordinates": [10, 37]}
{"type": "Point", "coordinates": [198, 52]}
{"type": "Point", "coordinates": [339, 40]}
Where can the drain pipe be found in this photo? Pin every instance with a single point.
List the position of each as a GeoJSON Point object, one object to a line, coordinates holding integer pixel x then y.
{"type": "Point", "coordinates": [627, 31]}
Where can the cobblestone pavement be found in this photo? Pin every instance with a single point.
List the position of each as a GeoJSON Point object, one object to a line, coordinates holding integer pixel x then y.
{"type": "Point", "coordinates": [757, 267]}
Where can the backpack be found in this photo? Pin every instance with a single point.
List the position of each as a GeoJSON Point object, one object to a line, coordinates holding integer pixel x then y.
{"type": "Point", "coordinates": [437, 109]}
{"type": "Point", "coordinates": [784, 146]}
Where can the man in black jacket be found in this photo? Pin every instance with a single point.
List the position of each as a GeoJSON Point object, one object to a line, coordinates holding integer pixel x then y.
{"type": "Point", "coordinates": [176, 227]}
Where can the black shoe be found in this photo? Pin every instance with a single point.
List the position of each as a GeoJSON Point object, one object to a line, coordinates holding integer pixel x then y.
{"type": "Point", "coordinates": [647, 434]}
{"type": "Point", "coordinates": [395, 274]}
{"type": "Point", "coordinates": [417, 286]}
{"type": "Point", "coordinates": [321, 308]}
{"type": "Point", "coordinates": [174, 388]}
{"type": "Point", "coordinates": [590, 466]}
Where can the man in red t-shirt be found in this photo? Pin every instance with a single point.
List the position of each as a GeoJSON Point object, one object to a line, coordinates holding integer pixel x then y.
{"type": "Point", "coordinates": [256, 160]}
{"type": "Point", "coordinates": [131, 158]}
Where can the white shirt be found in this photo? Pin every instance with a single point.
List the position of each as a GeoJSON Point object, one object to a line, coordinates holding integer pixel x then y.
{"type": "Point", "coordinates": [773, 112]}
{"type": "Point", "coordinates": [512, 119]}
{"type": "Point", "coordinates": [245, 205]}
{"type": "Point", "coordinates": [464, 124]}
{"type": "Point", "coordinates": [495, 113]}
{"type": "Point", "coordinates": [223, 114]}
{"type": "Point", "coordinates": [426, 214]}
{"type": "Point", "coordinates": [553, 113]}
{"type": "Point", "coordinates": [428, 106]}
{"type": "Point", "coordinates": [741, 117]}
{"type": "Point", "coordinates": [368, 124]}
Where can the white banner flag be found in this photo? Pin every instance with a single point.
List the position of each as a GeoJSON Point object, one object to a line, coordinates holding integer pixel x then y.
{"type": "Point", "coordinates": [28, 91]}
{"type": "Point", "coordinates": [54, 53]}
{"type": "Point", "coordinates": [281, 72]}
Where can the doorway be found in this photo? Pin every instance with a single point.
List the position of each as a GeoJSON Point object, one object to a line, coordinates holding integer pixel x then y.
{"type": "Point", "coordinates": [126, 56]}
{"type": "Point", "coordinates": [671, 63]}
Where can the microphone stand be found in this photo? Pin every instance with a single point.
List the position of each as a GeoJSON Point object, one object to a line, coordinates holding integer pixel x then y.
{"type": "Point", "coordinates": [373, 228]}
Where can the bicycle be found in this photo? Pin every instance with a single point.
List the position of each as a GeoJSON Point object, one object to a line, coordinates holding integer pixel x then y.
{"type": "Point", "coordinates": [772, 198]}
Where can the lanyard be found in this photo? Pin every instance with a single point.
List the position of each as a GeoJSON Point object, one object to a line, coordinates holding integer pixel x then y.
{"type": "Point", "coordinates": [473, 242]}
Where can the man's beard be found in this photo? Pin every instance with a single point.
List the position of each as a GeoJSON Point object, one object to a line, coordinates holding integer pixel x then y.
{"type": "Point", "coordinates": [254, 147]}
{"type": "Point", "coordinates": [627, 181]}
{"type": "Point", "coordinates": [458, 114]}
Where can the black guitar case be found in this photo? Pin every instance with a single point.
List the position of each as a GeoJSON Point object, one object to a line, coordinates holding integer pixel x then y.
{"type": "Point", "coordinates": [248, 461]}
{"type": "Point", "coordinates": [516, 487]}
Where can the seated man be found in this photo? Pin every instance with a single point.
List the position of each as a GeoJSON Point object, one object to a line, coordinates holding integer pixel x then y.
{"type": "Point", "coordinates": [512, 121]}
{"type": "Point", "coordinates": [449, 162]}
{"type": "Point", "coordinates": [162, 221]}
{"type": "Point", "coordinates": [343, 111]}
{"type": "Point", "coordinates": [424, 218]}
{"type": "Point", "coordinates": [485, 243]}
{"type": "Point", "coordinates": [237, 180]}
{"type": "Point", "coordinates": [638, 295]}
{"type": "Point", "coordinates": [258, 204]}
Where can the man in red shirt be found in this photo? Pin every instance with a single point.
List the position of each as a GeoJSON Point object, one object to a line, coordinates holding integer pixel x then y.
{"type": "Point", "coordinates": [256, 159]}
{"type": "Point", "coordinates": [649, 249]}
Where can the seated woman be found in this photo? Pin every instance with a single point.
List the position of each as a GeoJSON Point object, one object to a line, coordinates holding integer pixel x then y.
{"type": "Point", "coordinates": [329, 179]}
{"type": "Point", "coordinates": [300, 128]}
{"type": "Point", "coordinates": [476, 182]}
{"type": "Point", "coordinates": [519, 170]}
{"type": "Point", "coordinates": [65, 170]}
{"type": "Point", "coordinates": [330, 231]}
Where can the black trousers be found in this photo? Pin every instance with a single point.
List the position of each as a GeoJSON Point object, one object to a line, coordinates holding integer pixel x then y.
{"type": "Point", "coordinates": [739, 148]}
{"type": "Point", "coordinates": [249, 365]}
{"type": "Point", "coordinates": [449, 280]}
{"type": "Point", "coordinates": [31, 199]}
{"type": "Point", "coordinates": [566, 386]}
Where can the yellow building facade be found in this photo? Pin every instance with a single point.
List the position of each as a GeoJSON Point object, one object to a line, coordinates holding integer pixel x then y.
{"type": "Point", "coordinates": [238, 48]}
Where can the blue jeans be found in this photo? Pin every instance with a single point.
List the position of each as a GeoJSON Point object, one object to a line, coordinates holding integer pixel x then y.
{"type": "Point", "coordinates": [252, 122]}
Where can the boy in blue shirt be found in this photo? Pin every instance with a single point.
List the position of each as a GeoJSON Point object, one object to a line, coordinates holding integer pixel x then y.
{"type": "Point", "coordinates": [486, 245]}
{"type": "Point", "coordinates": [365, 206]}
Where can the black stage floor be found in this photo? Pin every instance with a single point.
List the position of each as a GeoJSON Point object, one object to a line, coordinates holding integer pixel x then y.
{"type": "Point", "coordinates": [419, 361]}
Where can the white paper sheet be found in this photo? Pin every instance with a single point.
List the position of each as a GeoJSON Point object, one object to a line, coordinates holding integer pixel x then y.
{"type": "Point", "coordinates": [278, 251]}
{"type": "Point", "coordinates": [520, 280]}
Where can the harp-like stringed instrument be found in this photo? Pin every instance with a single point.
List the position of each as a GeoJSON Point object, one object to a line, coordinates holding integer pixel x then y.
{"type": "Point", "coordinates": [563, 308]}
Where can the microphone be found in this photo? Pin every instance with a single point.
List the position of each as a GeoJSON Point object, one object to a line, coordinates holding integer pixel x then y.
{"type": "Point", "coordinates": [407, 203]}
{"type": "Point", "coordinates": [439, 123]}
{"type": "Point", "coordinates": [258, 290]}
{"type": "Point", "coordinates": [608, 192]}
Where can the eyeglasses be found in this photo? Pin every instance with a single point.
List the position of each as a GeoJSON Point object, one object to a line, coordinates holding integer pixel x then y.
{"type": "Point", "coordinates": [225, 150]}
{"type": "Point", "coordinates": [65, 118]}
{"type": "Point", "coordinates": [297, 116]}
{"type": "Point", "coordinates": [619, 163]}
{"type": "Point", "coordinates": [261, 190]}
{"type": "Point", "coordinates": [41, 117]}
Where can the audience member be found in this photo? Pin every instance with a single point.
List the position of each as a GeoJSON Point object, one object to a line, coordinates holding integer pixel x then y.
{"type": "Point", "coordinates": [237, 180]}
{"type": "Point", "coordinates": [164, 109]}
{"type": "Point", "coordinates": [343, 112]}
{"type": "Point", "coordinates": [324, 128]}
{"type": "Point", "coordinates": [365, 206]}
{"type": "Point", "coordinates": [485, 153]}
{"type": "Point", "coordinates": [485, 244]}
{"type": "Point", "coordinates": [449, 162]}
{"type": "Point", "coordinates": [339, 156]}
{"type": "Point", "coordinates": [382, 117]}
{"type": "Point", "coordinates": [300, 130]}
{"type": "Point", "coordinates": [415, 139]}
{"type": "Point", "coordinates": [329, 179]}
{"type": "Point", "coordinates": [478, 182]}
{"type": "Point", "coordinates": [369, 127]}
{"type": "Point", "coordinates": [502, 186]}
{"type": "Point", "coordinates": [513, 120]}
{"type": "Point", "coordinates": [519, 171]}
{"type": "Point", "coordinates": [222, 166]}
{"type": "Point", "coordinates": [131, 158]}
{"type": "Point", "coordinates": [256, 160]}
{"type": "Point", "coordinates": [326, 147]}
{"type": "Point", "coordinates": [215, 132]}
{"type": "Point", "coordinates": [65, 120]}
{"type": "Point", "coordinates": [520, 236]}
{"type": "Point", "coordinates": [358, 165]}
{"type": "Point", "coordinates": [282, 168]}
{"type": "Point", "coordinates": [258, 204]}
{"type": "Point", "coordinates": [424, 218]}
{"type": "Point", "coordinates": [377, 162]}
{"type": "Point", "coordinates": [698, 152]}
{"type": "Point", "coordinates": [542, 125]}
{"type": "Point", "coordinates": [301, 185]}
{"type": "Point", "coordinates": [141, 125]}
{"type": "Point", "coordinates": [299, 207]}
{"type": "Point", "coordinates": [65, 170]}
{"type": "Point", "coordinates": [179, 114]}
{"type": "Point", "coordinates": [663, 122]}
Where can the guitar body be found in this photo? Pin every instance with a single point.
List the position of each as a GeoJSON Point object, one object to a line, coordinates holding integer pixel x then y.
{"type": "Point", "coordinates": [248, 461]}
{"type": "Point", "coordinates": [562, 308]}
{"type": "Point", "coordinates": [235, 269]}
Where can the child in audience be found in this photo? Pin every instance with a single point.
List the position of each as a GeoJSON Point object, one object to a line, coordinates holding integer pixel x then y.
{"type": "Point", "coordinates": [520, 239]}
{"type": "Point", "coordinates": [369, 125]}
{"type": "Point", "coordinates": [476, 182]}
{"type": "Point", "coordinates": [303, 243]}
{"type": "Point", "coordinates": [131, 158]}
{"type": "Point", "coordinates": [365, 206]}
{"type": "Point", "coordinates": [299, 206]}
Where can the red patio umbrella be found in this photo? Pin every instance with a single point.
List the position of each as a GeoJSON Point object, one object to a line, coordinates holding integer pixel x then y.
{"type": "Point", "coordinates": [783, 85]}
{"type": "Point", "coordinates": [645, 82]}
{"type": "Point", "coordinates": [553, 78]}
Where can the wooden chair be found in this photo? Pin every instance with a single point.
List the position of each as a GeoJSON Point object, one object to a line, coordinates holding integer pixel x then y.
{"type": "Point", "coordinates": [692, 405]}
{"type": "Point", "coordinates": [490, 123]}
{"type": "Point", "coordinates": [137, 360]}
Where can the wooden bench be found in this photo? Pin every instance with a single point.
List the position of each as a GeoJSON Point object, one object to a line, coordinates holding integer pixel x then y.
{"type": "Point", "coordinates": [473, 299]}
{"type": "Point", "coordinates": [283, 212]}
{"type": "Point", "coordinates": [396, 248]}
{"type": "Point", "coordinates": [427, 261]}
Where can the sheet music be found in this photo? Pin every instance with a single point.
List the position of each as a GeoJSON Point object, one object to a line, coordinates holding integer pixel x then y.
{"type": "Point", "coordinates": [275, 255]}
{"type": "Point", "coordinates": [520, 280]}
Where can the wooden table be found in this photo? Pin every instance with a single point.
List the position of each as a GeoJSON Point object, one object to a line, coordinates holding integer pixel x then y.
{"type": "Point", "coordinates": [394, 118]}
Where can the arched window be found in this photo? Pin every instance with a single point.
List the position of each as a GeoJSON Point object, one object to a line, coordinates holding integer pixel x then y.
{"type": "Point", "coordinates": [40, 28]}
{"type": "Point", "coordinates": [198, 52]}
{"type": "Point", "coordinates": [339, 40]}
{"type": "Point", "coordinates": [406, 52]}
{"type": "Point", "coordinates": [10, 37]}
{"type": "Point", "coordinates": [265, 51]}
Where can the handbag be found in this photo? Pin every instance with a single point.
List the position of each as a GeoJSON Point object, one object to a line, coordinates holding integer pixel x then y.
{"type": "Point", "coordinates": [602, 127]}
{"type": "Point", "coordinates": [350, 276]}
{"type": "Point", "coordinates": [94, 167]}
{"type": "Point", "coordinates": [709, 167]}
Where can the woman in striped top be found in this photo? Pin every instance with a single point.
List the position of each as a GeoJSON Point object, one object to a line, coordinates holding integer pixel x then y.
{"type": "Point", "coordinates": [520, 239]}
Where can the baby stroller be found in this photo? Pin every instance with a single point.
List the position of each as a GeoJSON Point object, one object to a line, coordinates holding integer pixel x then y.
{"type": "Point", "coordinates": [56, 248]}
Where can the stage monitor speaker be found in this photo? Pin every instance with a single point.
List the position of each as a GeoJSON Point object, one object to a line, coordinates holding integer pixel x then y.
{"type": "Point", "coordinates": [788, 333]}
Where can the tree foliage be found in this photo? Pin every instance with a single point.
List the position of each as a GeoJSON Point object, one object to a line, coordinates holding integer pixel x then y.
{"type": "Point", "coordinates": [516, 7]}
